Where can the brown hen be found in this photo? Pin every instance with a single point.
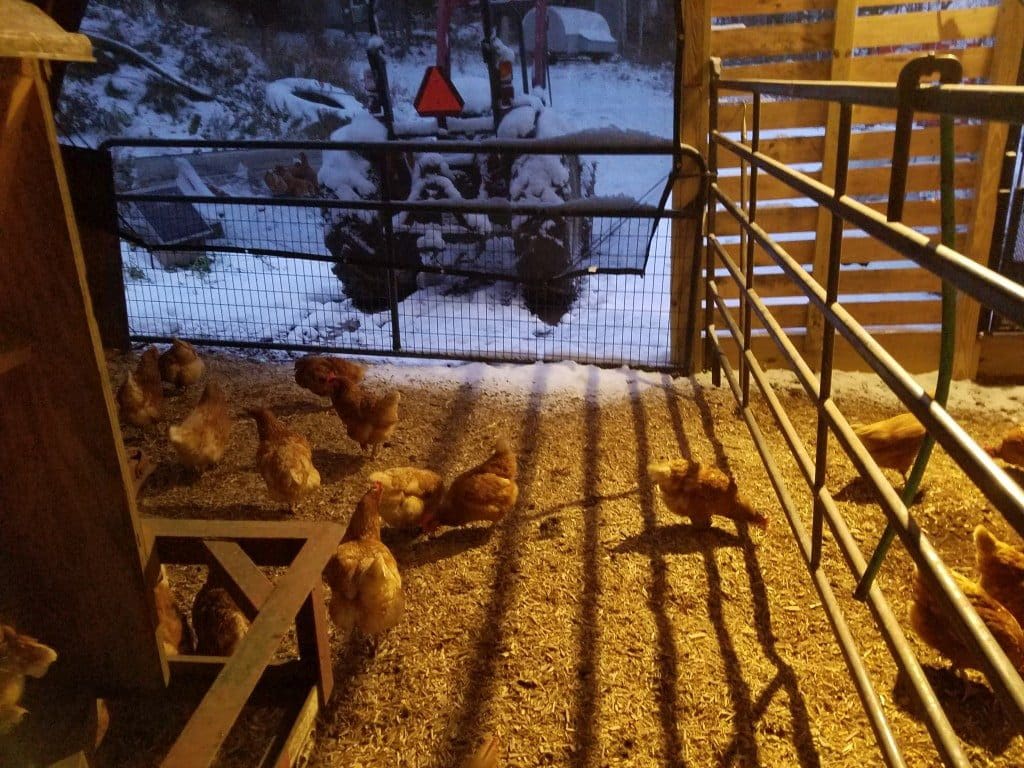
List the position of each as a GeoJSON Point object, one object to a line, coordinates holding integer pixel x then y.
{"type": "Point", "coordinates": [171, 628]}
{"type": "Point", "coordinates": [284, 459]}
{"type": "Point", "coordinates": [366, 586]}
{"type": "Point", "coordinates": [181, 365]}
{"type": "Point", "coordinates": [202, 437]}
{"type": "Point", "coordinates": [1011, 448]}
{"type": "Point", "coordinates": [369, 420]}
{"type": "Point", "coordinates": [700, 493]}
{"type": "Point", "coordinates": [409, 494]}
{"type": "Point", "coordinates": [21, 656]}
{"type": "Point", "coordinates": [488, 491]}
{"type": "Point", "coordinates": [217, 620]}
{"type": "Point", "coordinates": [935, 628]}
{"type": "Point", "coordinates": [893, 443]}
{"type": "Point", "coordinates": [303, 170]}
{"type": "Point", "coordinates": [317, 373]}
{"type": "Point", "coordinates": [142, 395]}
{"type": "Point", "coordinates": [1001, 567]}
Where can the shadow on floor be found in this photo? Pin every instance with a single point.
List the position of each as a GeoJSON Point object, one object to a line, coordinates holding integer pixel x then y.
{"type": "Point", "coordinates": [454, 541]}
{"type": "Point", "coordinates": [658, 592]}
{"type": "Point", "coordinates": [462, 731]}
{"type": "Point", "coordinates": [678, 539]}
{"type": "Point", "coordinates": [974, 712]}
{"type": "Point", "coordinates": [743, 746]}
{"type": "Point", "coordinates": [335, 466]}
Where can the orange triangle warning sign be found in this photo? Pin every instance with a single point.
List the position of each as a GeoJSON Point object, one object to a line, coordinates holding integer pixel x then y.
{"type": "Point", "coordinates": [437, 96]}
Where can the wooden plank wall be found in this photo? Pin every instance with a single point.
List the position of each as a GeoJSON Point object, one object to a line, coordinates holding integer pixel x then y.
{"type": "Point", "coordinates": [855, 40]}
{"type": "Point", "coordinates": [71, 569]}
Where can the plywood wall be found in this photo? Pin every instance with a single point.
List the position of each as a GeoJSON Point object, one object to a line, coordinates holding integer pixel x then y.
{"type": "Point", "coordinates": [865, 40]}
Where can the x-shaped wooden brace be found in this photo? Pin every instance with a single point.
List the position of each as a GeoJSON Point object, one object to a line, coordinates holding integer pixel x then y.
{"type": "Point", "coordinates": [237, 548]}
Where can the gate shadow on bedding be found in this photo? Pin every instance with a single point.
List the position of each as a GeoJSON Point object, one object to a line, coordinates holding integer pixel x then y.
{"type": "Point", "coordinates": [743, 748]}
{"type": "Point", "coordinates": [658, 594]}
{"type": "Point", "coordinates": [458, 740]}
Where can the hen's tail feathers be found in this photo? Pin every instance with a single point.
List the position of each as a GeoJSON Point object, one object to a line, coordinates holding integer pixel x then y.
{"type": "Point", "coordinates": [984, 542]}
{"type": "Point", "coordinates": [487, 755]}
{"type": "Point", "coordinates": [659, 472]}
{"type": "Point", "coordinates": [501, 445]}
{"type": "Point", "coordinates": [759, 519]}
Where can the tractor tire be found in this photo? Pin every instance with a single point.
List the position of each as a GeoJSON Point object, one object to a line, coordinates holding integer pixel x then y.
{"type": "Point", "coordinates": [353, 241]}
{"type": "Point", "coordinates": [541, 255]}
{"type": "Point", "coordinates": [549, 246]}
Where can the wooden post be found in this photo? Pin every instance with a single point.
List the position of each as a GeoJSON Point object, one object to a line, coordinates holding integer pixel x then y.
{"type": "Point", "coordinates": [842, 56]}
{"type": "Point", "coordinates": [1006, 57]}
{"type": "Point", "coordinates": [693, 123]}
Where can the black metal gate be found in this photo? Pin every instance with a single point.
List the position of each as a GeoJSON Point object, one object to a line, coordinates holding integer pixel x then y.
{"type": "Point", "coordinates": [211, 255]}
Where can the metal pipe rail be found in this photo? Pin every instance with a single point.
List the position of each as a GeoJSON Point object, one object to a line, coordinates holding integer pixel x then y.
{"type": "Point", "coordinates": [988, 287]}
{"type": "Point", "coordinates": [978, 102]}
{"type": "Point", "coordinates": [581, 143]}
{"type": "Point", "coordinates": [592, 207]}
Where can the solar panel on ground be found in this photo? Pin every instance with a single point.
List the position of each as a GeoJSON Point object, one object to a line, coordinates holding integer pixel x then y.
{"type": "Point", "coordinates": [174, 223]}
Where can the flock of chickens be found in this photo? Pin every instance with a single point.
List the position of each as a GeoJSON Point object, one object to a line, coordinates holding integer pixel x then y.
{"type": "Point", "coordinates": [363, 575]}
{"type": "Point", "coordinates": [998, 596]}
{"type": "Point", "coordinates": [297, 180]}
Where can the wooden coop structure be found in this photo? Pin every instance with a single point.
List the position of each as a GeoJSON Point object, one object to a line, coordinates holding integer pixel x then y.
{"type": "Point", "coordinates": [866, 41]}
{"type": "Point", "coordinates": [77, 564]}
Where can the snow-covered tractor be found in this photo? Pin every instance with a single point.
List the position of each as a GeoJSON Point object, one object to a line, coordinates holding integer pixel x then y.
{"type": "Point", "coordinates": [545, 247]}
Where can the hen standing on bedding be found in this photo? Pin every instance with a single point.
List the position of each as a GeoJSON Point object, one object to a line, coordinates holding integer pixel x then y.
{"type": "Point", "coordinates": [142, 394]}
{"type": "Point", "coordinates": [1011, 447]}
{"type": "Point", "coordinates": [1001, 567]}
{"type": "Point", "coordinates": [217, 620]}
{"type": "Point", "coordinates": [21, 656]}
{"type": "Point", "coordinates": [488, 491]}
{"type": "Point", "coordinates": [369, 420]}
{"type": "Point", "coordinates": [409, 494]}
{"type": "Point", "coordinates": [700, 493]}
{"type": "Point", "coordinates": [284, 459]}
{"type": "Point", "coordinates": [893, 443]}
{"type": "Point", "coordinates": [317, 372]}
{"type": "Point", "coordinates": [932, 625]}
{"type": "Point", "coordinates": [366, 586]}
{"type": "Point", "coordinates": [181, 365]}
{"type": "Point", "coordinates": [202, 437]}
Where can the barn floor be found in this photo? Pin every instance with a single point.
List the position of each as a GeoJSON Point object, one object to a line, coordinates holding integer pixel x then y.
{"type": "Point", "coordinates": [592, 627]}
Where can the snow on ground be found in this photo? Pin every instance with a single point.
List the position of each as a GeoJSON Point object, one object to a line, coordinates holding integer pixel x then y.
{"type": "Point", "coordinates": [242, 297]}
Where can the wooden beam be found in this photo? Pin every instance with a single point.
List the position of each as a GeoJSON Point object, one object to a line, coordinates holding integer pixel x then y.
{"type": "Point", "coordinates": [298, 740]}
{"type": "Point", "coordinates": [314, 644]}
{"type": "Point", "coordinates": [14, 357]}
{"type": "Point", "coordinates": [842, 55]}
{"type": "Point", "coordinates": [1006, 58]}
{"type": "Point", "coordinates": [248, 586]}
{"type": "Point", "coordinates": [238, 530]}
{"type": "Point", "coordinates": [771, 40]}
{"type": "Point", "coordinates": [693, 130]}
{"type": "Point", "coordinates": [888, 29]}
{"type": "Point", "coordinates": [1000, 360]}
{"type": "Point", "coordinates": [266, 542]}
{"type": "Point", "coordinates": [766, 7]}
